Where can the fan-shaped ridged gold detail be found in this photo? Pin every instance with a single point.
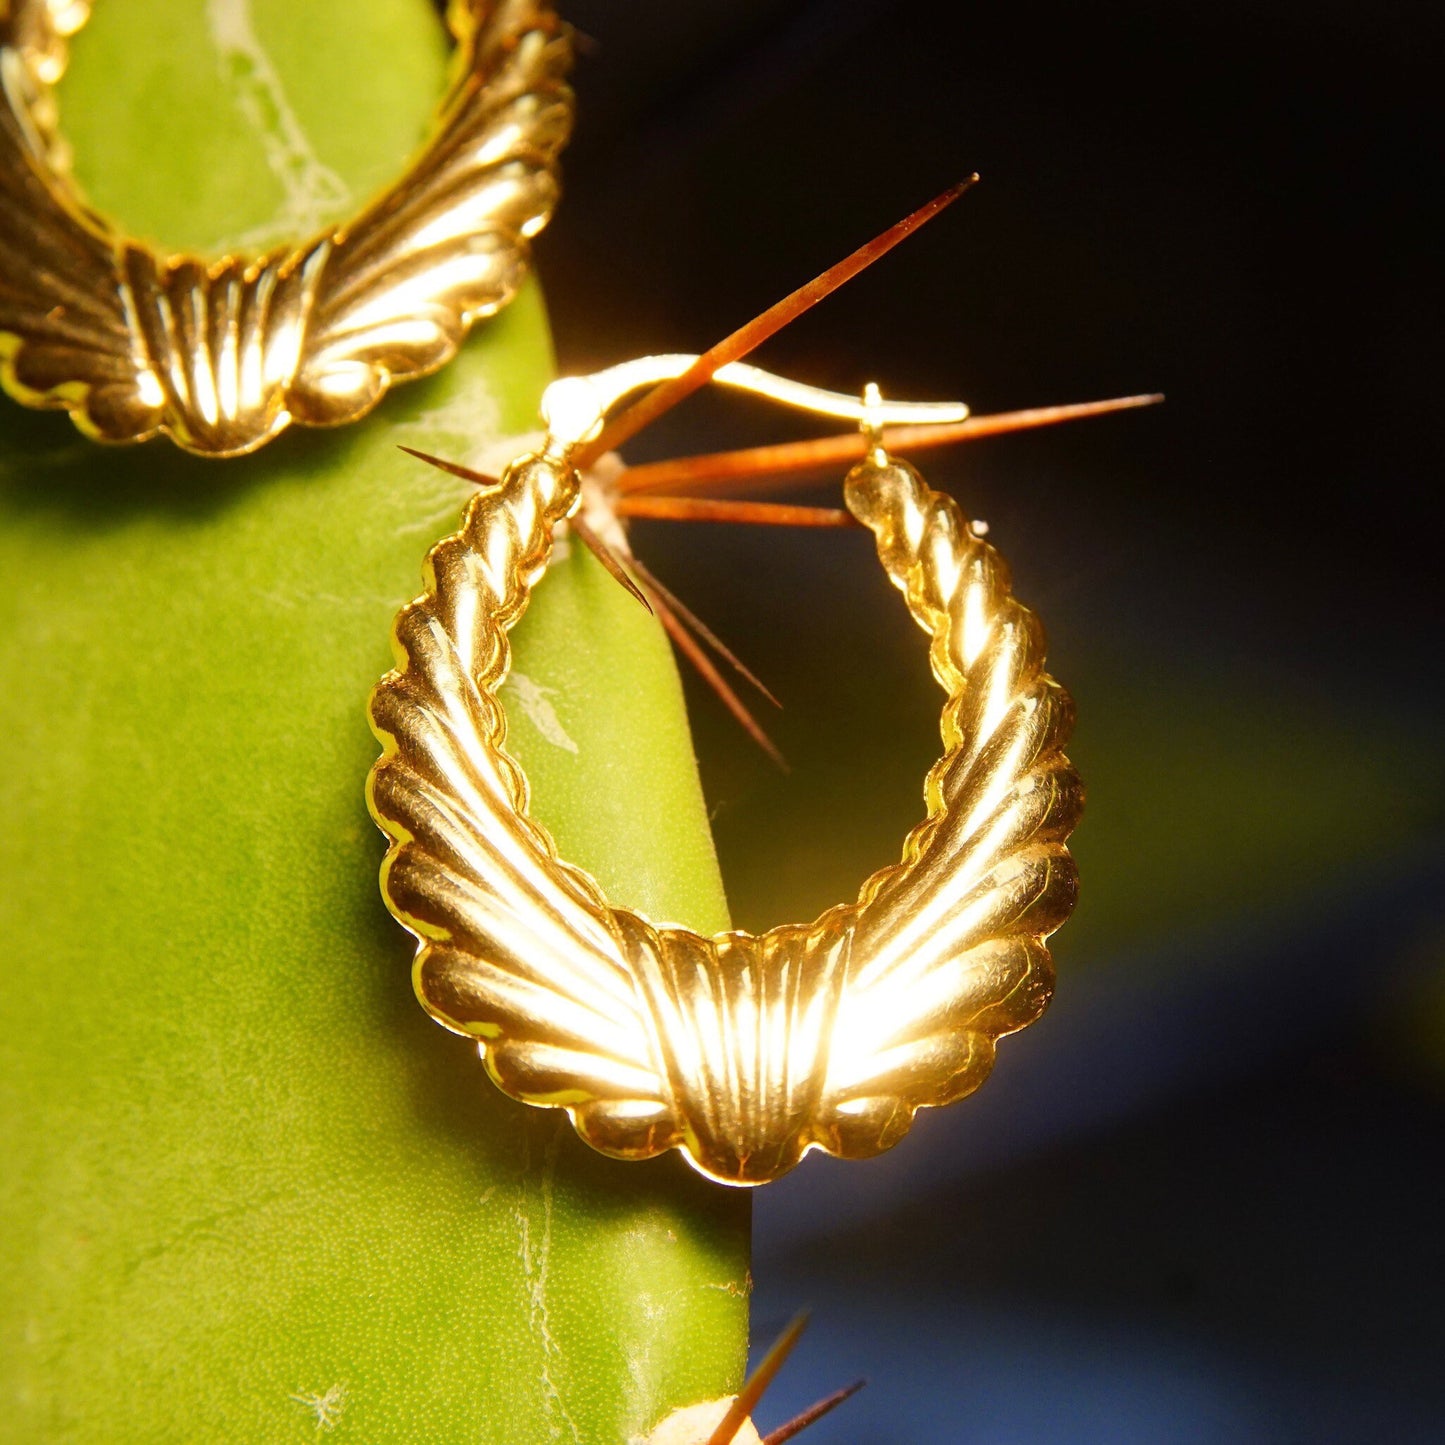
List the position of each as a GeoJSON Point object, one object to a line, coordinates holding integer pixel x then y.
{"type": "Point", "coordinates": [744, 1051]}
{"type": "Point", "coordinates": [222, 355]}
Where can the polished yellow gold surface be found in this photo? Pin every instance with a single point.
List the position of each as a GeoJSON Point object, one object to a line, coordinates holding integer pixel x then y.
{"type": "Point", "coordinates": [221, 355]}
{"type": "Point", "coordinates": [743, 1051]}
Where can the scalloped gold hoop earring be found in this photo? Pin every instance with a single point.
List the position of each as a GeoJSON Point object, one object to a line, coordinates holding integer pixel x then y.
{"type": "Point", "coordinates": [743, 1051]}
{"type": "Point", "coordinates": [222, 355]}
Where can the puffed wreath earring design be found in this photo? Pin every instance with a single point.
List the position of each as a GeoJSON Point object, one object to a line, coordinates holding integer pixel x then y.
{"type": "Point", "coordinates": [222, 355]}
{"type": "Point", "coordinates": [743, 1051]}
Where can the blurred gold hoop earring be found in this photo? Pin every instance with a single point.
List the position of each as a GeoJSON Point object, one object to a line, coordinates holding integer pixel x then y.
{"type": "Point", "coordinates": [743, 1051]}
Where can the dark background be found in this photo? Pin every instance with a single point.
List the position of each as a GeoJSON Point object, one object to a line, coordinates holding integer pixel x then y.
{"type": "Point", "coordinates": [1201, 1201]}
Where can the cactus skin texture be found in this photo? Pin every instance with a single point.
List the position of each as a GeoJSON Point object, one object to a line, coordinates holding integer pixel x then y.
{"type": "Point", "coordinates": [250, 1191]}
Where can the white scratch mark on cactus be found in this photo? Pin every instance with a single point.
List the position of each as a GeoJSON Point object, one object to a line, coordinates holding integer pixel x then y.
{"type": "Point", "coordinates": [641, 1347]}
{"type": "Point", "coordinates": [327, 1408]}
{"type": "Point", "coordinates": [442, 508]}
{"type": "Point", "coordinates": [732, 1287]}
{"type": "Point", "coordinates": [533, 699]}
{"type": "Point", "coordinates": [297, 597]}
{"type": "Point", "coordinates": [462, 424]}
{"type": "Point", "coordinates": [311, 191]}
{"type": "Point", "coordinates": [536, 1261]}
{"type": "Point", "coordinates": [653, 1320]}
{"type": "Point", "coordinates": [464, 427]}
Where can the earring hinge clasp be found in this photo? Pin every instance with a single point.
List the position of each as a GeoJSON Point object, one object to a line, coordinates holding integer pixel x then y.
{"type": "Point", "coordinates": [574, 407]}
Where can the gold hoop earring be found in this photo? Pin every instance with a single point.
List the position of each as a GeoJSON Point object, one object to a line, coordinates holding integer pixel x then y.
{"type": "Point", "coordinates": [221, 356]}
{"type": "Point", "coordinates": [743, 1051]}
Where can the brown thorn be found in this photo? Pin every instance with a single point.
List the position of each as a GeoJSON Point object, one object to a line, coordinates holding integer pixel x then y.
{"type": "Point", "coordinates": [690, 619]}
{"type": "Point", "coordinates": [689, 646]}
{"type": "Point", "coordinates": [757, 465]}
{"type": "Point", "coordinates": [652, 404]}
{"type": "Point", "coordinates": [710, 509]}
{"type": "Point", "coordinates": [758, 1381]}
{"type": "Point", "coordinates": [609, 559]}
{"type": "Point", "coordinates": [813, 1413]}
{"type": "Point", "coordinates": [455, 468]}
